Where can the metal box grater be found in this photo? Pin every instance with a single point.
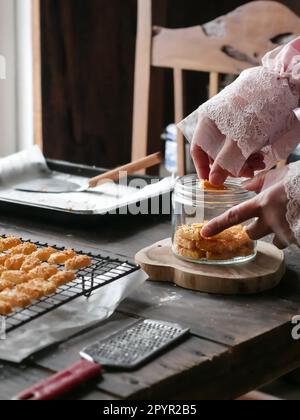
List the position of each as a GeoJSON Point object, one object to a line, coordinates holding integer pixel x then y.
{"type": "Point", "coordinates": [134, 345]}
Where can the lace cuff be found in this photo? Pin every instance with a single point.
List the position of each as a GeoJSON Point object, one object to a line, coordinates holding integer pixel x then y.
{"type": "Point", "coordinates": [258, 110]}
{"type": "Point", "coordinates": [285, 61]}
{"type": "Point", "coordinates": [292, 188]}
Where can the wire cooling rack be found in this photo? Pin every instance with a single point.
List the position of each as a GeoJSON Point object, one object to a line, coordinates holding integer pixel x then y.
{"type": "Point", "coordinates": [102, 271]}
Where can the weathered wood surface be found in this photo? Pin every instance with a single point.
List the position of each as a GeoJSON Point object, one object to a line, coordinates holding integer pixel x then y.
{"type": "Point", "coordinates": [237, 343]}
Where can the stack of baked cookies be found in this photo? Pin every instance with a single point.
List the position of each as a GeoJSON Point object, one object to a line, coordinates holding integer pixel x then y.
{"type": "Point", "coordinates": [28, 273]}
{"type": "Point", "coordinates": [230, 244]}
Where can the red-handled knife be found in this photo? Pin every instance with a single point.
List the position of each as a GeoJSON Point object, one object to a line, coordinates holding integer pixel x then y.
{"type": "Point", "coordinates": [62, 383]}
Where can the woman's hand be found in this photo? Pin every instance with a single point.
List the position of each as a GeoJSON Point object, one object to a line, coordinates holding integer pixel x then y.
{"type": "Point", "coordinates": [207, 133]}
{"type": "Point", "coordinates": [251, 124]}
{"type": "Point", "coordinates": [269, 207]}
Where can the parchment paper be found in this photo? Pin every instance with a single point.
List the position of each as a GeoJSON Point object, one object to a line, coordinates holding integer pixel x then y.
{"type": "Point", "coordinates": [70, 319]}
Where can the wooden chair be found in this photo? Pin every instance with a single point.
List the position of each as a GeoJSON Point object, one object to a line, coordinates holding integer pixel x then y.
{"type": "Point", "coordinates": [227, 45]}
{"type": "Point", "coordinates": [37, 72]}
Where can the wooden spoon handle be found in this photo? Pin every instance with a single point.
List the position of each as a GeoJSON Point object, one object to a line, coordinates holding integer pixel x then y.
{"type": "Point", "coordinates": [130, 168]}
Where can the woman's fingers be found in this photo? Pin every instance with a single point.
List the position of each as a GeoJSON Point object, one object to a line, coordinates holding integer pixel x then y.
{"type": "Point", "coordinates": [206, 133]}
{"type": "Point", "coordinates": [232, 155]}
{"type": "Point", "coordinates": [220, 153]}
{"type": "Point", "coordinates": [258, 230]}
{"type": "Point", "coordinates": [265, 179]}
{"type": "Point", "coordinates": [247, 172]}
{"type": "Point", "coordinates": [201, 161]}
{"type": "Point", "coordinates": [229, 156]}
{"type": "Point", "coordinates": [280, 243]}
{"type": "Point", "coordinates": [256, 184]}
{"type": "Point", "coordinates": [256, 160]}
{"type": "Point", "coordinates": [218, 175]}
{"type": "Point", "coordinates": [254, 163]}
{"type": "Point", "coordinates": [232, 217]}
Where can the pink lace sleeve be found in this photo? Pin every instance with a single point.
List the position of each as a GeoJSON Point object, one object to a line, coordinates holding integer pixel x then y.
{"type": "Point", "coordinates": [259, 110]}
{"type": "Point", "coordinates": [285, 61]}
{"type": "Point", "coordinates": [292, 187]}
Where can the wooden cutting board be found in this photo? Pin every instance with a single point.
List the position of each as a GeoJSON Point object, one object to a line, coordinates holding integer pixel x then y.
{"type": "Point", "coordinates": [259, 275]}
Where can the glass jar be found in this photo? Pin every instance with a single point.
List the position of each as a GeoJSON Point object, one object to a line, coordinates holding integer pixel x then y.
{"type": "Point", "coordinates": [193, 206]}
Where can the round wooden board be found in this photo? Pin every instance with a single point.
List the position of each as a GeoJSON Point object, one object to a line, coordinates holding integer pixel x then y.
{"type": "Point", "coordinates": [259, 275]}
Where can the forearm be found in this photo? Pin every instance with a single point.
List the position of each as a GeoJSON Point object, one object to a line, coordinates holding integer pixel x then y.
{"type": "Point", "coordinates": [259, 110]}
{"type": "Point", "coordinates": [292, 188]}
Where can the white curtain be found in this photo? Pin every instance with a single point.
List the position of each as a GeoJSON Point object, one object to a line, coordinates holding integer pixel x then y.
{"type": "Point", "coordinates": [8, 110]}
{"type": "Point", "coordinates": [2, 68]}
{"type": "Point", "coordinates": [24, 74]}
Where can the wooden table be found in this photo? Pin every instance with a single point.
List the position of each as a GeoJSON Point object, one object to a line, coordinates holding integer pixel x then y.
{"type": "Point", "coordinates": [237, 343]}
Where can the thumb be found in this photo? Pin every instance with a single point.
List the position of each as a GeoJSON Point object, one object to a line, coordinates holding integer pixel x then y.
{"type": "Point", "coordinates": [256, 184]}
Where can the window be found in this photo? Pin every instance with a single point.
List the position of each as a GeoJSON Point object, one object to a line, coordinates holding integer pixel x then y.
{"type": "Point", "coordinates": [16, 97]}
{"type": "Point", "coordinates": [2, 68]}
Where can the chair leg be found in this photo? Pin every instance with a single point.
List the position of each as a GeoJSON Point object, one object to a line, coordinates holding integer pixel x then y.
{"type": "Point", "coordinates": [179, 115]}
{"type": "Point", "coordinates": [142, 80]}
{"type": "Point", "coordinates": [37, 73]}
{"type": "Point", "coordinates": [213, 84]}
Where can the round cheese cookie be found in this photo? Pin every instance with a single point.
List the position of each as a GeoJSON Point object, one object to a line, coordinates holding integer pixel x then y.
{"type": "Point", "coordinates": [30, 263]}
{"type": "Point", "coordinates": [15, 276]}
{"type": "Point", "coordinates": [14, 262]}
{"type": "Point", "coordinates": [8, 243]}
{"type": "Point", "coordinates": [61, 257]}
{"type": "Point", "coordinates": [227, 243]}
{"type": "Point", "coordinates": [78, 262]}
{"type": "Point", "coordinates": [184, 243]}
{"type": "Point", "coordinates": [5, 308]}
{"type": "Point", "coordinates": [190, 232]}
{"type": "Point", "coordinates": [26, 248]}
{"type": "Point", "coordinates": [15, 299]}
{"type": "Point", "coordinates": [188, 253]}
{"type": "Point", "coordinates": [43, 272]}
{"type": "Point", "coordinates": [62, 277]}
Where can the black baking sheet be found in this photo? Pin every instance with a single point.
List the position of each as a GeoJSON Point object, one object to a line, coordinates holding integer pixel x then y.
{"type": "Point", "coordinates": [26, 210]}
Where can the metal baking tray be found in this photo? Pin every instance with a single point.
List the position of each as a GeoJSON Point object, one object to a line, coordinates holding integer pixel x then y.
{"type": "Point", "coordinates": [37, 212]}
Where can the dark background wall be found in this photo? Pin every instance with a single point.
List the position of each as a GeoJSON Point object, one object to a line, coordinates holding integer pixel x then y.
{"type": "Point", "coordinates": [88, 49]}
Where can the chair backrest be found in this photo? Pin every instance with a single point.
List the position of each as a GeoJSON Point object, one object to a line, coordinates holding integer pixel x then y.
{"type": "Point", "coordinates": [228, 44]}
